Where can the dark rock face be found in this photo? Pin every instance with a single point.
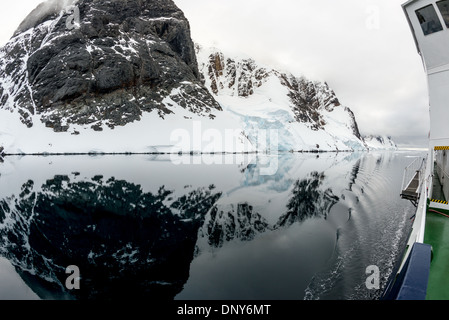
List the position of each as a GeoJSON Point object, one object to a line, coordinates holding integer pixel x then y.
{"type": "Point", "coordinates": [355, 125]}
{"type": "Point", "coordinates": [308, 97]}
{"type": "Point", "coordinates": [243, 75]}
{"type": "Point", "coordinates": [102, 63]}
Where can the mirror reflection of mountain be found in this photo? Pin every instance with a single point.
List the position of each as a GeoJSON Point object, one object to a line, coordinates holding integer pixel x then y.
{"type": "Point", "coordinates": [140, 227]}
{"type": "Point", "coordinates": [119, 236]}
{"type": "Point", "coordinates": [240, 221]}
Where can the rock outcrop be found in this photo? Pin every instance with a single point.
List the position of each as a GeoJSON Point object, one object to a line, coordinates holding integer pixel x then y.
{"type": "Point", "coordinates": [309, 113]}
{"type": "Point", "coordinates": [101, 63]}
{"type": "Point", "coordinates": [380, 143]}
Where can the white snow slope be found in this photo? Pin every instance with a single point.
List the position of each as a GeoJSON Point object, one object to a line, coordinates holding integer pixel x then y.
{"type": "Point", "coordinates": [380, 143]}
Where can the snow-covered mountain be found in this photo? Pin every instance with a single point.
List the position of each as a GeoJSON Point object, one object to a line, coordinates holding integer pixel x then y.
{"type": "Point", "coordinates": [86, 76]}
{"type": "Point", "coordinates": [380, 143]}
{"type": "Point", "coordinates": [305, 114]}
{"type": "Point", "coordinates": [122, 78]}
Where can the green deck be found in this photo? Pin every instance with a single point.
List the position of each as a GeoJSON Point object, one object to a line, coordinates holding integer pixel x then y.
{"type": "Point", "coordinates": [437, 235]}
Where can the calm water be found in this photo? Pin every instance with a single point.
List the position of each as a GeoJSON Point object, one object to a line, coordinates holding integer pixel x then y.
{"type": "Point", "coordinates": [293, 226]}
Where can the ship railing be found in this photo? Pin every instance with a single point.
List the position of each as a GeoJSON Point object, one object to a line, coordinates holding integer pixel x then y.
{"type": "Point", "coordinates": [396, 283]}
{"type": "Point", "coordinates": [418, 165]}
{"type": "Point", "coordinates": [413, 178]}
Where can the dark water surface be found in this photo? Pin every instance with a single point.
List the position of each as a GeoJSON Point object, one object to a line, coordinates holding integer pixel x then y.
{"type": "Point", "coordinates": [291, 226]}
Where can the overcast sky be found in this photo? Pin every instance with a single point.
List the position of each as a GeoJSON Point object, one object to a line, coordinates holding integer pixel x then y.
{"type": "Point", "coordinates": [362, 48]}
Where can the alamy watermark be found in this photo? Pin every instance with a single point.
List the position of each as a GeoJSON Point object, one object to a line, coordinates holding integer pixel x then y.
{"type": "Point", "coordinates": [74, 19]}
{"type": "Point", "coordinates": [73, 281]}
{"type": "Point", "coordinates": [372, 11]}
{"type": "Point", "coordinates": [228, 146]}
{"type": "Point", "coordinates": [373, 280]}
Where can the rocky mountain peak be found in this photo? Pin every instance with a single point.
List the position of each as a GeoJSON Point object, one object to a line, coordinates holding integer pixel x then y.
{"type": "Point", "coordinates": [305, 102]}
{"type": "Point", "coordinates": [234, 76]}
{"type": "Point", "coordinates": [101, 63]}
{"type": "Point", "coordinates": [379, 142]}
{"type": "Point", "coordinates": [241, 76]}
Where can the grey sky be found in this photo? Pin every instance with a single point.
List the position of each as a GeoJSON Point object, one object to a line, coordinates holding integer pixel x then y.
{"type": "Point", "coordinates": [362, 48]}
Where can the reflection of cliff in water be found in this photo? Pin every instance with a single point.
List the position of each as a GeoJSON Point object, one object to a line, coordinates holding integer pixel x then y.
{"type": "Point", "coordinates": [241, 221]}
{"type": "Point", "coordinates": [126, 243]}
{"type": "Point", "coordinates": [308, 201]}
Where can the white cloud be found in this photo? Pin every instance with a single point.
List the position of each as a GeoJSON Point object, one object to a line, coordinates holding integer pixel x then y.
{"type": "Point", "coordinates": [12, 14]}
{"type": "Point", "coordinates": [44, 9]}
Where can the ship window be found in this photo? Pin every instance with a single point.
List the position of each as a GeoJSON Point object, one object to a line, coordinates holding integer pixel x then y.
{"type": "Point", "coordinates": [428, 19]}
{"type": "Point", "coordinates": [444, 9]}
